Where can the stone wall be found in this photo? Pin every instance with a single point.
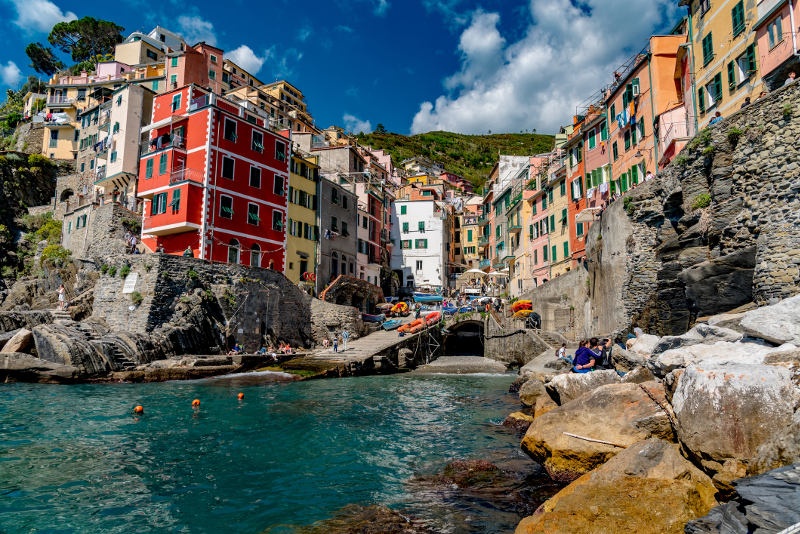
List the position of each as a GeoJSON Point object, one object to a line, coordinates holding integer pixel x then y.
{"type": "Point", "coordinates": [509, 343]}
{"type": "Point", "coordinates": [562, 302]}
{"type": "Point", "coordinates": [238, 304]}
{"type": "Point", "coordinates": [716, 230]}
{"type": "Point", "coordinates": [103, 234]}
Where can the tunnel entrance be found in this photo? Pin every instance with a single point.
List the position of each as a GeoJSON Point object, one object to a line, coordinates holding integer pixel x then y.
{"type": "Point", "coordinates": [464, 339]}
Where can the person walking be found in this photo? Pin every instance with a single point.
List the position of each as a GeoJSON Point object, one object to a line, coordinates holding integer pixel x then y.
{"type": "Point", "coordinates": [345, 337]}
{"type": "Point", "coordinates": [62, 297]}
{"type": "Point", "coordinates": [336, 344]}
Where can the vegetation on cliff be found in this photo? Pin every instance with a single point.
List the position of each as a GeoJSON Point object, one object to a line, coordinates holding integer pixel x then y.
{"type": "Point", "coordinates": [470, 156]}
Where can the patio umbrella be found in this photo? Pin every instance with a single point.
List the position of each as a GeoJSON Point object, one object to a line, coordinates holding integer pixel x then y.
{"type": "Point", "coordinates": [473, 273]}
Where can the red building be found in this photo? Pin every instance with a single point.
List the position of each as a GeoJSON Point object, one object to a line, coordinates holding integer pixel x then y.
{"type": "Point", "coordinates": [213, 177]}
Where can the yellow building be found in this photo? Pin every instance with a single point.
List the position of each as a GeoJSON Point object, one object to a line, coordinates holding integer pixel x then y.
{"type": "Point", "coordinates": [302, 226]}
{"type": "Point", "coordinates": [558, 223]}
{"type": "Point", "coordinates": [723, 43]}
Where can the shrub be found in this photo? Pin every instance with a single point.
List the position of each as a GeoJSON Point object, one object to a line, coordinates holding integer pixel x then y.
{"type": "Point", "coordinates": [733, 135]}
{"type": "Point", "coordinates": [709, 150]}
{"type": "Point", "coordinates": [125, 271]}
{"type": "Point", "coordinates": [191, 274]}
{"type": "Point", "coordinates": [681, 160]}
{"type": "Point", "coordinates": [787, 110]}
{"type": "Point", "coordinates": [136, 298]}
{"type": "Point", "coordinates": [627, 203]}
{"type": "Point", "coordinates": [54, 255]}
{"type": "Point", "coordinates": [112, 271]}
{"type": "Point", "coordinates": [703, 200]}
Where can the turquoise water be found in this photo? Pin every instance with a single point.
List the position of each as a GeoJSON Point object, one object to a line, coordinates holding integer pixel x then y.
{"type": "Point", "coordinates": [75, 459]}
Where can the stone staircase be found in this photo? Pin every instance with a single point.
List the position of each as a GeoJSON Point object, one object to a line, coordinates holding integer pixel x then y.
{"type": "Point", "coordinates": [60, 315]}
{"type": "Point", "coordinates": [554, 339]}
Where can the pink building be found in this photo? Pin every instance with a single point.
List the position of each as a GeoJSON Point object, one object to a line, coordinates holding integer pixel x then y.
{"type": "Point", "coordinates": [777, 40]}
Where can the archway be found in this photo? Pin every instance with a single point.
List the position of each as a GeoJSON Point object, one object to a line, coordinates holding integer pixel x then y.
{"type": "Point", "coordinates": [66, 194]}
{"type": "Point", "coordinates": [255, 256]}
{"type": "Point", "coordinates": [464, 338]}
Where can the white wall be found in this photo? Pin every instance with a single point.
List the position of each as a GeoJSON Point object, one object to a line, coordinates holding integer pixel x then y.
{"type": "Point", "coordinates": [432, 257]}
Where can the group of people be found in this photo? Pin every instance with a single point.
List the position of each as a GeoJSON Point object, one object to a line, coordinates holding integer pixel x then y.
{"type": "Point", "coordinates": [132, 242]}
{"type": "Point", "coordinates": [593, 353]}
{"type": "Point", "coordinates": [791, 78]}
{"type": "Point", "coordinates": [339, 339]}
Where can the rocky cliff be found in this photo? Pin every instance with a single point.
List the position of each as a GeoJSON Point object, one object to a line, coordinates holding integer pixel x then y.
{"type": "Point", "coordinates": [716, 230]}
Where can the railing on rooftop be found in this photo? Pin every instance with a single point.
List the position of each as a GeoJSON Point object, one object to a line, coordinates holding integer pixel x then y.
{"type": "Point", "coordinates": [675, 131]}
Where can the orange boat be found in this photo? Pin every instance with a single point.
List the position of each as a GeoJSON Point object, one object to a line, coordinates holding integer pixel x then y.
{"type": "Point", "coordinates": [400, 308]}
{"type": "Point", "coordinates": [408, 326]}
{"type": "Point", "coordinates": [416, 328]}
{"type": "Point", "coordinates": [521, 305]}
{"type": "Point", "coordinates": [433, 318]}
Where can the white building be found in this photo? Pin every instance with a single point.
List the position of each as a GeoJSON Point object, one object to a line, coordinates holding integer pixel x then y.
{"type": "Point", "coordinates": [420, 235]}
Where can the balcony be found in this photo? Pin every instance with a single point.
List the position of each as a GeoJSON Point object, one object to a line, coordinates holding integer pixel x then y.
{"type": "Point", "coordinates": [164, 142]}
{"type": "Point", "coordinates": [483, 220]}
{"type": "Point", "coordinates": [484, 263]}
{"type": "Point", "coordinates": [514, 227]}
{"type": "Point", "coordinates": [182, 175]}
{"type": "Point", "coordinates": [483, 241]}
{"type": "Point", "coordinates": [59, 101]}
{"type": "Point", "coordinates": [100, 174]}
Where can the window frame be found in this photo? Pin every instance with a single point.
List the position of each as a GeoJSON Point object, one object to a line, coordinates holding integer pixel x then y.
{"type": "Point", "coordinates": [255, 172]}
{"type": "Point", "coordinates": [223, 165]}
{"type": "Point", "coordinates": [257, 146]}
{"type": "Point", "coordinates": [708, 48]}
{"type": "Point", "coordinates": [253, 218]}
{"type": "Point", "coordinates": [226, 212]}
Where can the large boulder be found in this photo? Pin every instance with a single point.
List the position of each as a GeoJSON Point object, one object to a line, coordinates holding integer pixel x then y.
{"type": "Point", "coordinates": [648, 487]}
{"type": "Point", "coordinates": [627, 360]}
{"type": "Point", "coordinates": [726, 412]}
{"type": "Point", "coordinates": [778, 323]}
{"type": "Point", "coordinates": [569, 386]}
{"type": "Point", "coordinates": [26, 368]}
{"type": "Point", "coordinates": [19, 342]}
{"type": "Point", "coordinates": [644, 344]}
{"type": "Point", "coordinates": [576, 437]}
{"type": "Point", "coordinates": [721, 352]}
{"type": "Point", "coordinates": [530, 391]}
{"type": "Point", "coordinates": [700, 333]}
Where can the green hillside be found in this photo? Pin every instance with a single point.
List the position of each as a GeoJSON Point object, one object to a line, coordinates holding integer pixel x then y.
{"type": "Point", "coordinates": [470, 156]}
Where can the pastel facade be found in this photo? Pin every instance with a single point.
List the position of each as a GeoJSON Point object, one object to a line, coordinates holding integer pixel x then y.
{"type": "Point", "coordinates": [777, 40]}
{"type": "Point", "coordinates": [302, 228]}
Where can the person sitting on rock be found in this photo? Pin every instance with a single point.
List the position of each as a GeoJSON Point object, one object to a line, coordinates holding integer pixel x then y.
{"type": "Point", "coordinates": [584, 357]}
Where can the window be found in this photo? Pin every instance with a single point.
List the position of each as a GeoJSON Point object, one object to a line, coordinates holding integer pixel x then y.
{"type": "Point", "coordinates": [405, 244]}
{"type": "Point", "coordinates": [255, 256]}
{"type": "Point", "coordinates": [403, 210]}
{"type": "Point", "coordinates": [176, 201]}
{"type": "Point", "coordinates": [579, 229]}
{"type": "Point", "coordinates": [227, 167]}
{"type": "Point", "coordinates": [746, 63]}
{"type": "Point", "coordinates": [230, 130]}
{"type": "Point", "coordinates": [592, 139]}
{"type": "Point", "coordinates": [233, 251]}
{"type": "Point", "coordinates": [553, 251]}
{"type": "Point", "coordinates": [226, 207]}
{"type": "Point", "coordinates": [255, 177]}
{"type": "Point", "coordinates": [421, 226]}
{"type": "Point", "coordinates": [564, 216]}
{"type": "Point", "coordinates": [714, 91]}
{"type": "Point", "coordinates": [173, 80]}
{"type": "Point", "coordinates": [737, 18]}
{"type": "Point", "coordinates": [469, 235]}
{"type": "Point", "coordinates": [364, 222]}
{"type": "Point", "coordinates": [627, 139]}
{"type": "Point", "coordinates": [344, 202]}
{"type": "Point", "coordinates": [405, 227]}
{"type": "Point", "coordinates": [604, 131]}
{"type": "Point", "coordinates": [277, 220]}
{"type": "Point", "coordinates": [566, 249]}
{"type": "Point", "coordinates": [705, 5]}
{"type": "Point", "coordinates": [81, 94]}
{"type": "Point", "coordinates": [154, 85]}
{"type": "Point", "coordinates": [162, 163]}
{"type": "Point", "coordinates": [252, 214]}
{"type": "Point", "coordinates": [53, 138]}
{"type": "Point", "coordinates": [334, 196]}
{"type": "Point", "coordinates": [708, 49]}
{"type": "Point", "coordinates": [113, 156]}
{"type": "Point", "coordinates": [421, 243]}
{"type": "Point", "coordinates": [345, 231]}
{"type": "Point", "coordinates": [613, 112]}
{"type": "Point", "coordinates": [151, 55]}
{"type": "Point", "coordinates": [544, 253]}
{"type": "Point", "coordinates": [176, 102]}
{"type": "Point", "coordinates": [213, 58]}
{"type": "Point", "coordinates": [280, 151]}
{"type": "Point", "coordinates": [83, 166]}
{"type": "Point", "coordinates": [174, 62]}
{"type": "Point", "coordinates": [552, 222]}
{"type": "Point", "coordinates": [419, 265]}
{"type": "Point", "coordinates": [148, 168]}
{"type": "Point", "coordinates": [258, 141]}
{"type": "Point", "coordinates": [277, 186]}
{"type": "Point", "coordinates": [615, 150]}
{"type": "Point", "coordinates": [334, 224]}
{"type": "Point", "coordinates": [562, 189]}
{"type": "Point", "coordinates": [640, 125]}
{"type": "Point", "coordinates": [544, 202]}
{"type": "Point", "coordinates": [775, 32]}
{"type": "Point", "coordinates": [159, 204]}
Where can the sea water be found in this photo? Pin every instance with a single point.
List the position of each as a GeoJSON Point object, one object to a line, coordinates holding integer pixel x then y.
{"type": "Point", "coordinates": [76, 458]}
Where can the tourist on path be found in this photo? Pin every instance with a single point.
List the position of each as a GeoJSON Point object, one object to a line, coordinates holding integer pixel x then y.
{"type": "Point", "coordinates": [62, 297]}
{"type": "Point", "coordinates": [345, 337]}
{"type": "Point", "coordinates": [336, 344]}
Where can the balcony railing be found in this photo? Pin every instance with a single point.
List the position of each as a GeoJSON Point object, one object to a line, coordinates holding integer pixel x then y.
{"type": "Point", "coordinates": [163, 142]}
{"type": "Point", "coordinates": [675, 131]}
{"type": "Point", "coordinates": [60, 101]}
{"type": "Point", "coordinates": [483, 241]}
{"type": "Point", "coordinates": [514, 227]}
{"type": "Point", "coordinates": [483, 220]}
{"type": "Point", "coordinates": [182, 175]}
{"type": "Point", "coordinates": [100, 174]}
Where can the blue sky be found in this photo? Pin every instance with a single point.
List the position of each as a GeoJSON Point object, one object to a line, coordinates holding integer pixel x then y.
{"type": "Point", "coordinates": [414, 66]}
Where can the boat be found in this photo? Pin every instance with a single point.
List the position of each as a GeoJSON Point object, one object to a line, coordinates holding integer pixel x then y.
{"type": "Point", "coordinates": [416, 328]}
{"type": "Point", "coordinates": [371, 318]}
{"type": "Point", "coordinates": [521, 314]}
{"type": "Point", "coordinates": [521, 305]}
{"type": "Point", "coordinates": [408, 326]}
{"type": "Point", "coordinates": [433, 318]}
{"type": "Point", "coordinates": [391, 324]}
{"type": "Point", "coordinates": [400, 308]}
{"type": "Point", "coordinates": [427, 297]}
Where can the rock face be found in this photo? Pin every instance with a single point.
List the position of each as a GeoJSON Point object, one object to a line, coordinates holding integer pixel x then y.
{"type": "Point", "coordinates": [700, 333]}
{"type": "Point", "coordinates": [19, 342]}
{"type": "Point", "coordinates": [659, 257]}
{"type": "Point", "coordinates": [617, 414]}
{"type": "Point", "coordinates": [647, 488]}
{"type": "Point", "coordinates": [779, 323]}
{"type": "Point", "coordinates": [24, 367]}
{"type": "Point", "coordinates": [726, 412]}
{"type": "Point", "coordinates": [569, 386]}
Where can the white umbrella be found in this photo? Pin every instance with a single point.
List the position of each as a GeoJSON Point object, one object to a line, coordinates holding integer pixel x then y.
{"type": "Point", "coordinates": [497, 273]}
{"type": "Point", "coordinates": [472, 272]}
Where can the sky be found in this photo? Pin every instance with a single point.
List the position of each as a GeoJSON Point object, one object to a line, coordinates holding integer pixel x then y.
{"type": "Point", "coordinates": [412, 66]}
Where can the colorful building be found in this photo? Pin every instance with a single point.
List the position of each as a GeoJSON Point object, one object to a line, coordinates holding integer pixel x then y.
{"type": "Point", "coordinates": [213, 178]}
{"type": "Point", "coordinates": [776, 40]}
{"type": "Point", "coordinates": [302, 228]}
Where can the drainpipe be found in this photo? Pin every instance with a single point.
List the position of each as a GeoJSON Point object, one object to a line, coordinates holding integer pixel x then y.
{"type": "Point", "coordinates": [794, 28]}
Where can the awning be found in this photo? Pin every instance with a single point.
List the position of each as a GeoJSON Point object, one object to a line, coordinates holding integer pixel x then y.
{"type": "Point", "coordinates": [588, 214]}
{"type": "Point", "coordinates": [162, 122]}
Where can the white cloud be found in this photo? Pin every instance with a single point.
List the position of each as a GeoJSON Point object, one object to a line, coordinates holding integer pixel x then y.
{"type": "Point", "coordinates": [10, 75]}
{"type": "Point", "coordinates": [40, 15]}
{"type": "Point", "coordinates": [247, 59]}
{"type": "Point", "coordinates": [304, 33]}
{"type": "Point", "coordinates": [194, 29]}
{"type": "Point", "coordinates": [381, 7]}
{"type": "Point", "coordinates": [567, 53]}
{"type": "Point", "coordinates": [355, 125]}
{"type": "Point", "coordinates": [282, 64]}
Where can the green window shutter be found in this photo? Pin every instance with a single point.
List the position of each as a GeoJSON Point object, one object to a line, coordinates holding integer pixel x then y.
{"type": "Point", "coordinates": [421, 226]}
{"type": "Point", "coordinates": [718, 87]}
{"type": "Point", "coordinates": [550, 196]}
{"type": "Point", "coordinates": [530, 231]}
{"type": "Point", "coordinates": [627, 140]}
{"type": "Point", "coordinates": [615, 150]}
{"type": "Point", "coordinates": [534, 208]}
{"type": "Point", "coordinates": [563, 188]}
{"type": "Point", "coordinates": [641, 130]}
{"type": "Point", "coordinates": [579, 229]}
{"type": "Point", "coordinates": [592, 139]}
{"type": "Point", "coordinates": [553, 255]}
{"type": "Point", "coordinates": [403, 209]}
{"type": "Point", "coordinates": [564, 216]}
{"type": "Point", "coordinates": [604, 131]}
{"type": "Point", "coordinates": [634, 175]}
{"type": "Point", "coordinates": [162, 164]}
{"type": "Point", "coordinates": [544, 252]}
{"type": "Point", "coordinates": [624, 181]}
{"type": "Point", "coordinates": [148, 168]}
{"type": "Point", "coordinates": [544, 202]}
{"type": "Point", "coordinates": [613, 114]}
{"type": "Point", "coordinates": [552, 223]}
{"type": "Point", "coordinates": [708, 49]}
{"type": "Point", "coordinates": [469, 235]}
{"type": "Point", "coordinates": [731, 76]}
{"type": "Point", "coordinates": [701, 101]}
{"type": "Point", "coordinates": [737, 18]}
{"type": "Point", "coordinates": [405, 227]}
{"type": "Point", "coordinates": [566, 249]}
{"type": "Point", "coordinates": [751, 59]}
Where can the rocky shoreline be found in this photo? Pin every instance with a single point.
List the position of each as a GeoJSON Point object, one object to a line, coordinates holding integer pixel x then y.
{"type": "Point", "coordinates": [675, 437]}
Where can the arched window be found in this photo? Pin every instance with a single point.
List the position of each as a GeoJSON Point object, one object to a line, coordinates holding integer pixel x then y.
{"type": "Point", "coordinates": [255, 256]}
{"type": "Point", "coordinates": [334, 265]}
{"type": "Point", "coordinates": [233, 251]}
{"type": "Point", "coordinates": [66, 194]}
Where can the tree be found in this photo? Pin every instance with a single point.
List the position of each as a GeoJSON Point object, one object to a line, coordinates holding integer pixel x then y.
{"type": "Point", "coordinates": [380, 129]}
{"type": "Point", "coordinates": [85, 38]}
{"type": "Point", "coordinates": [43, 59]}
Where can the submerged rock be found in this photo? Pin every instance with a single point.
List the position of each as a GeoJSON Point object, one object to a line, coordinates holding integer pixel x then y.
{"type": "Point", "coordinates": [646, 488]}
{"type": "Point", "coordinates": [367, 520]}
{"type": "Point", "coordinates": [580, 435]}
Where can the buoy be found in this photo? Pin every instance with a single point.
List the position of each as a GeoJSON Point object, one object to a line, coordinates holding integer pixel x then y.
{"type": "Point", "coordinates": [240, 396]}
{"type": "Point", "coordinates": [138, 409]}
{"type": "Point", "coordinates": [196, 403]}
